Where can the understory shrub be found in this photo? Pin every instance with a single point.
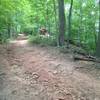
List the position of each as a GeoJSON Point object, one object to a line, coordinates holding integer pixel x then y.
{"type": "Point", "coordinates": [44, 40]}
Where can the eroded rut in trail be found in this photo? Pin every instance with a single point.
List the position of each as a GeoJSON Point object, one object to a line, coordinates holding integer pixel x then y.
{"type": "Point", "coordinates": [33, 72]}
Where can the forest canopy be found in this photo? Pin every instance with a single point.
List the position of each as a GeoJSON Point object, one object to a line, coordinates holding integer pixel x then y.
{"type": "Point", "coordinates": [79, 17]}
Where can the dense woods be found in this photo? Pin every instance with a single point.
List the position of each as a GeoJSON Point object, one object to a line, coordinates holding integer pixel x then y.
{"type": "Point", "coordinates": [66, 21]}
{"type": "Point", "coordinates": [49, 50]}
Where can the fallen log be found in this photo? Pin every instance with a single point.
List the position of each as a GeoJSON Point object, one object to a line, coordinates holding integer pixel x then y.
{"type": "Point", "coordinates": [85, 54]}
{"type": "Point", "coordinates": [86, 59]}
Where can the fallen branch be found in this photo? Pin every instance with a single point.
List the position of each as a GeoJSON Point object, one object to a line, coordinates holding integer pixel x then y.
{"type": "Point", "coordinates": [85, 54]}
{"type": "Point", "coordinates": [86, 59]}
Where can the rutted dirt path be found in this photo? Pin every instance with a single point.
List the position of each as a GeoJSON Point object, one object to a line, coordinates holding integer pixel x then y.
{"type": "Point", "coordinates": [43, 73]}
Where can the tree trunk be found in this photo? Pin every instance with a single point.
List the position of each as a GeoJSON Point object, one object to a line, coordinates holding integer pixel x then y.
{"type": "Point", "coordinates": [9, 30]}
{"type": "Point", "coordinates": [56, 21]}
{"type": "Point", "coordinates": [47, 17]}
{"type": "Point", "coordinates": [98, 42]}
{"type": "Point", "coordinates": [61, 22]}
{"type": "Point", "coordinates": [54, 2]}
{"type": "Point", "coordinates": [80, 31]}
{"type": "Point", "coordinates": [98, 45]}
{"type": "Point", "coordinates": [69, 23]}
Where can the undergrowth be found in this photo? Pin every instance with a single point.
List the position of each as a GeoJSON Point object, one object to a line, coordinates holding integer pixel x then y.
{"type": "Point", "coordinates": [43, 40]}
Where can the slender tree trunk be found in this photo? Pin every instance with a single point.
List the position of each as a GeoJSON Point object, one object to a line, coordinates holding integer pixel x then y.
{"type": "Point", "coordinates": [80, 23]}
{"type": "Point", "coordinates": [54, 2]}
{"type": "Point", "coordinates": [98, 46]}
{"type": "Point", "coordinates": [56, 21]}
{"type": "Point", "coordinates": [69, 23]}
{"type": "Point", "coordinates": [47, 17]}
{"type": "Point", "coordinates": [61, 22]}
{"type": "Point", "coordinates": [9, 30]}
{"type": "Point", "coordinates": [98, 41]}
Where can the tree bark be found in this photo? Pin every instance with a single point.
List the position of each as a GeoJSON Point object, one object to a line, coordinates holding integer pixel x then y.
{"type": "Point", "coordinates": [98, 46]}
{"type": "Point", "coordinates": [61, 22]}
{"type": "Point", "coordinates": [69, 23]}
{"type": "Point", "coordinates": [54, 3]}
{"type": "Point", "coordinates": [56, 21]}
{"type": "Point", "coordinates": [47, 17]}
{"type": "Point", "coordinates": [98, 42]}
{"type": "Point", "coordinates": [80, 31]}
{"type": "Point", "coordinates": [9, 30]}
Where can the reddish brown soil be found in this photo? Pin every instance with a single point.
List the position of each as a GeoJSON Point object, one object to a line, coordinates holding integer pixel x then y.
{"type": "Point", "coordinates": [34, 72]}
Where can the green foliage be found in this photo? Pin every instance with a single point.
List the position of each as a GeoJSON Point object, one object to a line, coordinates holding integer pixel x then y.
{"type": "Point", "coordinates": [84, 19]}
{"type": "Point", "coordinates": [13, 16]}
{"type": "Point", "coordinates": [3, 38]}
{"type": "Point", "coordinates": [27, 16]}
{"type": "Point", "coordinates": [44, 40]}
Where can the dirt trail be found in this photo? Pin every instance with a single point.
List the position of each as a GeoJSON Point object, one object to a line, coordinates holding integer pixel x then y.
{"type": "Point", "coordinates": [34, 72]}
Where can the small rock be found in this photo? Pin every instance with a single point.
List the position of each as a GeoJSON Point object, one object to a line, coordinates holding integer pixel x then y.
{"type": "Point", "coordinates": [2, 74]}
{"type": "Point", "coordinates": [61, 99]}
{"type": "Point", "coordinates": [14, 92]}
{"type": "Point", "coordinates": [35, 76]}
{"type": "Point", "coordinates": [55, 72]}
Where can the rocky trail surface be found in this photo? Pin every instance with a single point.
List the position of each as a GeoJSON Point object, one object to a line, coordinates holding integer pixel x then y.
{"type": "Point", "coordinates": [35, 72]}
